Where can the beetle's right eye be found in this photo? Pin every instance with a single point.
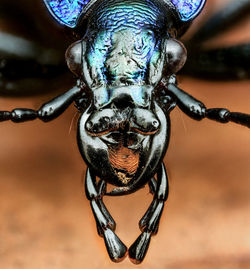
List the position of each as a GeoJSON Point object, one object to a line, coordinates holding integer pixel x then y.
{"type": "Point", "coordinates": [176, 55]}
{"type": "Point", "coordinates": [74, 58]}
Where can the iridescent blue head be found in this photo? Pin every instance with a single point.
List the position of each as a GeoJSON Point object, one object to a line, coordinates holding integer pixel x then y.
{"type": "Point", "coordinates": [67, 12]}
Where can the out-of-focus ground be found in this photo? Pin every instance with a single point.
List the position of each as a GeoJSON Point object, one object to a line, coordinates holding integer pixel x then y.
{"type": "Point", "coordinates": [46, 221]}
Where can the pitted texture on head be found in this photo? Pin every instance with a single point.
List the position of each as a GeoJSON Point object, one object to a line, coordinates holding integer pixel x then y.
{"type": "Point", "coordinates": [124, 40]}
{"type": "Point", "coordinates": [116, 15]}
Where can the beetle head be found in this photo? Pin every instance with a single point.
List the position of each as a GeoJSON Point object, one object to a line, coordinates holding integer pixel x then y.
{"type": "Point", "coordinates": [123, 135]}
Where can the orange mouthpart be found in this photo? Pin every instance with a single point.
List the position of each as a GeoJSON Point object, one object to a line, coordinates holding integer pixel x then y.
{"type": "Point", "coordinates": [125, 160]}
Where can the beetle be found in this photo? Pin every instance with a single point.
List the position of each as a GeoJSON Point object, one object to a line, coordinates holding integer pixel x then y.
{"type": "Point", "coordinates": [125, 129]}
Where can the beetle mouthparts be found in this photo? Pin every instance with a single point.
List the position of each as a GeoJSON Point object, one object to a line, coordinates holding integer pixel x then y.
{"type": "Point", "coordinates": [125, 162]}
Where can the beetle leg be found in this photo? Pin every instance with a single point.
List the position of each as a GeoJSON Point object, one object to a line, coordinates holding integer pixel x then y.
{"type": "Point", "coordinates": [149, 223]}
{"type": "Point", "coordinates": [47, 111]}
{"type": "Point", "coordinates": [152, 186]}
{"type": "Point", "coordinates": [105, 224]}
{"type": "Point", "coordinates": [197, 110]}
{"type": "Point", "coordinates": [223, 115]}
{"type": "Point", "coordinates": [187, 103]}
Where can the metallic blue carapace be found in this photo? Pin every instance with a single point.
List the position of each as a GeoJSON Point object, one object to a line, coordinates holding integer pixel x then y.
{"type": "Point", "coordinates": [188, 9]}
{"type": "Point", "coordinates": [66, 11]}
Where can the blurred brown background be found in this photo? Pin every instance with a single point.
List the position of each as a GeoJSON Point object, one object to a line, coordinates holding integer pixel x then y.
{"type": "Point", "coordinates": [46, 221]}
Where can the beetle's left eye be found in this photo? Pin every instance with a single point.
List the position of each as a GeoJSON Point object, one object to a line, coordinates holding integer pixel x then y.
{"type": "Point", "coordinates": [176, 54]}
{"type": "Point", "coordinates": [74, 58]}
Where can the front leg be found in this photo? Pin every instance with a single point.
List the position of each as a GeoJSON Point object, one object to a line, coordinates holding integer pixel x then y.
{"type": "Point", "coordinates": [105, 224]}
{"type": "Point", "coordinates": [197, 110]}
{"type": "Point", "coordinates": [149, 223]}
{"type": "Point", "coordinates": [47, 111]}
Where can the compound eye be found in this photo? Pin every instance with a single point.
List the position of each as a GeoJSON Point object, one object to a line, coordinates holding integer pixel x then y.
{"type": "Point", "coordinates": [176, 55]}
{"type": "Point", "coordinates": [73, 57]}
